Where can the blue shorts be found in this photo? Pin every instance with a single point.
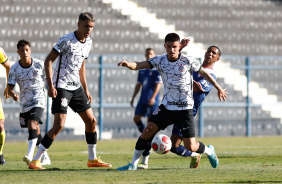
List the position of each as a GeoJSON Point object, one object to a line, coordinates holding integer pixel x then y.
{"type": "Point", "coordinates": [145, 110]}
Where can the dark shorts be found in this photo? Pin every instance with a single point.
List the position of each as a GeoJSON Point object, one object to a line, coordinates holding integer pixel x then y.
{"type": "Point", "coordinates": [76, 100]}
{"type": "Point", "coordinates": [34, 114]}
{"type": "Point", "coordinates": [184, 119]}
{"type": "Point", "coordinates": [145, 110]}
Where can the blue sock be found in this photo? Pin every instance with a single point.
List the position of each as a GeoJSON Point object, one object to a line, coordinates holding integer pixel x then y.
{"type": "Point", "coordinates": [140, 126]}
{"type": "Point", "coordinates": [181, 151]}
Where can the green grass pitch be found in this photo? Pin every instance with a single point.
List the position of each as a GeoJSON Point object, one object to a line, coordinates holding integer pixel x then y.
{"type": "Point", "coordinates": [241, 160]}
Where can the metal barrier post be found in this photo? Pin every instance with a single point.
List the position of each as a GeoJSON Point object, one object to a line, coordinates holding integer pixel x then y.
{"type": "Point", "coordinates": [47, 114]}
{"type": "Point", "coordinates": [201, 122]}
{"type": "Point", "coordinates": [248, 108]}
{"type": "Point", "coordinates": [101, 92]}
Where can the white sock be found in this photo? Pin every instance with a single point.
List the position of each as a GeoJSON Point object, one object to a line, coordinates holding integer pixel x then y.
{"type": "Point", "coordinates": [136, 157]}
{"type": "Point", "coordinates": [91, 151]}
{"type": "Point", "coordinates": [145, 159]}
{"type": "Point", "coordinates": [31, 147]}
{"type": "Point", "coordinates": [208, 151]}
{"type": "Point", "coordinates": [40, 152]}
{"type": "Point", "coordinates": [194, 154]}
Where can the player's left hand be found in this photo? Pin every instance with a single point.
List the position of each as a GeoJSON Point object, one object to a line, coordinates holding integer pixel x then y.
{"type": "Point", "coordinates": [6, 94]}
{"type": "Point", "coordinates": [222, 94]}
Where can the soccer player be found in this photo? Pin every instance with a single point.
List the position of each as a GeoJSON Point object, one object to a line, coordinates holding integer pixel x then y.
{"type": "Point", "coordinates": [201, 88]}
{"type": "Point", "coordinates": [68, 87]}
{"type": "Point", "coordinates": [29, 74]}
{"type": "Point", "coordinates": [7, 65]}
{"type": "Point", "coordinates": [177, 104]}
{"type": "Point", "coordinates": [150, 82]}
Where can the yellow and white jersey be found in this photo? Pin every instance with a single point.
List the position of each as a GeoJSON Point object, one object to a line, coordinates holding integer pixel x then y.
{"type": "Point", "coordinates": [3, 56]}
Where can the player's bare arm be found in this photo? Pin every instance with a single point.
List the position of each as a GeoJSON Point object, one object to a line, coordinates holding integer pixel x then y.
{"type": "Point", "coordinates": [184, 42]}
{"type": "Point", "coordinates": [135, 65]}
{"type": "Point", "coordinates": [155, 93]}
{"type": "Point", "coordinates": [52, 92]}
{"type": "Point", "coordinates": [82, 74]}
{"type": "Point", "coordinates": [12, 92]}
{"type": "Point", "coordinates": [221, 93]}
{"type": "Point", "coordinates": [7, 66]}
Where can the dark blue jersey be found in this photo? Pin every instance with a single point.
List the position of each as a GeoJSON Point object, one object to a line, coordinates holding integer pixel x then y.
{"type": "Point", "coordinates": [205, 87]}
{"type": "Point", "coordinates": [148, 78]}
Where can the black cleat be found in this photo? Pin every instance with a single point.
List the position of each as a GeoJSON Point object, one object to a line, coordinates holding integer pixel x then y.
{"type": "Point", "coordinates": [2, 160]}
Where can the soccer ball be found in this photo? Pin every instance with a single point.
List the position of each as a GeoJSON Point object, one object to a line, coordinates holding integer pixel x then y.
{"type": "Point", "coordinates": [161, 144]}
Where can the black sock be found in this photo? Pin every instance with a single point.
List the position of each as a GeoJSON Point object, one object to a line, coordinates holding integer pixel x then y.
{"type": "Point", "coordinates": [46, 141]}
{"type": "Point", "coordinates": [39, 139]}
{"type": "Point", "coordinates": [32, 134]}
{"type": "Point", "coordinates": [91, 137]}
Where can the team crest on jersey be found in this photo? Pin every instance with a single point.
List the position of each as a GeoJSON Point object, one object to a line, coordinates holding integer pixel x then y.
{"type": "Point", "coordinates": [156, 111]}
{"type": "Point", "coordinates": [181, 67]}
{"type": "Point", "coordinates": [34, 73]}
{"type": "Point", "coordinates": [64, 102]}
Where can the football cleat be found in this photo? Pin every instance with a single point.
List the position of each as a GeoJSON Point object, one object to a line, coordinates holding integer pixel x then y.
{"type": "Point", "coordinates": [35, 164]}
{"type": "Point", "coordinates": [45, 160]}
{"type": "Point", "coordinates": [142, 166]}
{"type": "Point", "coordinates": [2, 160]}
{"type": "Point", "coordinates": [26, 159]}
{"type": "Point", "coordinates": [195, 161]}
{"type": "Point", "coordinates": [213, 157]}
{"type": "Point", "coordinates": [128, 167]}
{"type": "Point", "coordinates": [97, 162]}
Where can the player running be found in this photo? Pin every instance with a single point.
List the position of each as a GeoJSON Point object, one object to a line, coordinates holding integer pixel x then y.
{"type": "Point", "coordinates": [7, 65]}
{"type": "Point", "coordinates": [68, 87]}
{"type": "Point", "coordinates": [150, 81]}
{"type": "Point", "coordinates": [177, 104]}
{"type": "Point", "coordinates": [29, 74]}
{"type": "Point", "coordinates": [201, 88]}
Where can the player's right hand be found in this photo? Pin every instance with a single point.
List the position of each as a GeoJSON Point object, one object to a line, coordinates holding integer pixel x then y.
{"type": "Point", "coordinates": [123, 63]}
{"type": "Point", "coordinates": [52, 92]}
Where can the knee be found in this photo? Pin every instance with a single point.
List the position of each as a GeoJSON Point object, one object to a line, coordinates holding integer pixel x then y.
{"type": "Point", "coordinates": [93, 122]}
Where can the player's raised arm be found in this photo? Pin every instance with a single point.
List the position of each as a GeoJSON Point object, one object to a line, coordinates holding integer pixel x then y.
{"type": "Point", "coordinates": [52, 92]}
{"type": "Point", "coordinates": [221, 93]}
{"type": "Point", "coordinates": [135, 65]}
{"type": "Point", "coordinates": [184, 42]}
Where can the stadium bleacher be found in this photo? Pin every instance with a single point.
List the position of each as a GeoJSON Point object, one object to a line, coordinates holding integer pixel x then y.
{"type": "Point", "coordinates": [238, 27]}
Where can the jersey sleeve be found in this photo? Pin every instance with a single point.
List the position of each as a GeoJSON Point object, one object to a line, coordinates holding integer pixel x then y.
{"type": "Point", "coordinates": [205, 85]}
{"type": "Point", "coordinates": [196, 65]}
{"type": "Point", "coordinates": [3, 56]}
{"type": "Point", "coordinates": [12, 79]}
{"type": "Point", "coordinates": [61, 45]}
{"type": "Point", "coordinates": [154, 62]}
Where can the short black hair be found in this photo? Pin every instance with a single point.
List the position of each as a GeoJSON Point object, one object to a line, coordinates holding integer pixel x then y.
{"type": "Point", "coordinates": [22, 43]}
{"type": "Point", "coordinates": [86, 16]}
{"type": "Point", "coordinates": [148, 49]}
{"type": "Point", "coordinates": [219, 51]}
{"type": "Point", "coordinates": [172, 37]}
